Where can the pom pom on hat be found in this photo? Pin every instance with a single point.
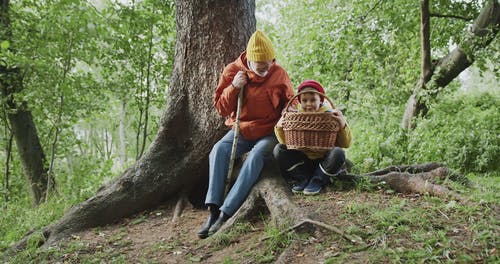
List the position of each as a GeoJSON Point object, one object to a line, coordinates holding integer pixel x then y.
{"type": "Point", "coordinates": [312, 84]}
{"type": "Point", "coordinates": [259, 47]}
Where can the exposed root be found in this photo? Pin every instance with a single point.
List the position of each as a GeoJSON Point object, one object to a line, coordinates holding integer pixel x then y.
{"type": "Point", "coordinates": [179, 207]}
{"type": "Point", "coordinates": [38, 238]}
{"type": "Point", "coordinates": [415, 168]}
{"type": "Point", "coordinates": [421, 181]}
{"type": "Point", "coordinates": [352, 238]}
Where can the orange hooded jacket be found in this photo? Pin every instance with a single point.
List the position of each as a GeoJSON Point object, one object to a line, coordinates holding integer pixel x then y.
{"type": "Point", "coordinates": [263, 100]}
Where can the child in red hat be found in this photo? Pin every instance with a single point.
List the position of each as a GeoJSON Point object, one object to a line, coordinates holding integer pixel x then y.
{"type": "Point", "coordinates": [312, 170]}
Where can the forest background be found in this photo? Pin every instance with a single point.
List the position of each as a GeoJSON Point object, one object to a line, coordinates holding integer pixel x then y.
{"type": "Point", "coordinates": [95, 77]}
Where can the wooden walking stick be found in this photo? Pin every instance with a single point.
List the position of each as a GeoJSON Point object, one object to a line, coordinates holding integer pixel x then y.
{"type": "Point", "coordinates": [229, 177]}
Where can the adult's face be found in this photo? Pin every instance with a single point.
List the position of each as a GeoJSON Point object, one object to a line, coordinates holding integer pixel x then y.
{"type": "Point", "coordinates": [260, 68]}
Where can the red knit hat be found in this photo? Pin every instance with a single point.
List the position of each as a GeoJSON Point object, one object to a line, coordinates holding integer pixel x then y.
{"type": "Point", "coordinates": [311, 84]}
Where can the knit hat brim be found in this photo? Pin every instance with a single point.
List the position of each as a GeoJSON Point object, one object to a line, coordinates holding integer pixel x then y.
{"type": "Point", "coordinates": [311, 84]}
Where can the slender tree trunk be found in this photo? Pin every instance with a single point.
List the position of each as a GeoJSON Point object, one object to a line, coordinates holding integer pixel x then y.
{"type": "Point", "coordinates": [108, 139]}
{"type": "Point", "coordinates": [58, 122]}
{"type": "Point", "coordinates": [148, 89]}
{"type": "Point", "coordinates": [123, 140]}
{"type": "Point", "coordinates": [483, 31]}
{"type": "Point", "coordinates": [54, 144]}
{"type": "Point", "coordinates": [29, 147]}
{"type": "Point", "coordinates": [426, 70]}
{"type": "Point", "coordinates": [95, 140]}
{"type": "Point", "coordinates": [139, 125]}
{"type": "Point", "coordinates": [8, 153]}
{"type": "Point", "coordinates": [425, 33]}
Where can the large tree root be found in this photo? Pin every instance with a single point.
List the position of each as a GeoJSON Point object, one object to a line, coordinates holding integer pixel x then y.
{"type": "Point", "coordinates": [419, 178]}
{"type": "Point", "coordinates": [179, 207]}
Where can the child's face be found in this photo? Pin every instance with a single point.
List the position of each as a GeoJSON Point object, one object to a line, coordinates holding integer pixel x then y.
{"type": "Point", "coordinates": [310, 102]}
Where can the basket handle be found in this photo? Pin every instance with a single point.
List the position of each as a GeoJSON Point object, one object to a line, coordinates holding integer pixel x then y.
{"type": "Point", "coordinates": [308, 91]}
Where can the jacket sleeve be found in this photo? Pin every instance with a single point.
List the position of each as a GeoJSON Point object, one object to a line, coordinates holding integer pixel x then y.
{"type": "Point", "coordinates": [226, 96]}
{"type": "Point", "coordinates": [344, 137]}
{"type": "Point", "coordinates": [288, 93]}
{"type": "Point", "coordinates": [278, 131]}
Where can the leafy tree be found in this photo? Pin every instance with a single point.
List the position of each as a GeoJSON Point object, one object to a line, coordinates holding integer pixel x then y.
{"type": "Point", "coordinates": [79, 63]}
{"type": "Point", "coordinates": [17, 113]}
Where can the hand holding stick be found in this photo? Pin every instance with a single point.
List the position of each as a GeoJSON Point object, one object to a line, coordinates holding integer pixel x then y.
{"type": "Point", "coordinates": [229, 177]}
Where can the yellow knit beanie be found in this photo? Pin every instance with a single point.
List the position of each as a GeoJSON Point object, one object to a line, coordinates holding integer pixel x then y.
{"type": "Point", "coordinates": [259, 47]}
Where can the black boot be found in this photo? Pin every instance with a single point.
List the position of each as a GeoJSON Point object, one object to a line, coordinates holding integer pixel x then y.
{"type": "Point", "coordinates": [217, 225]}
{"type": "Point", "coordinates": [212, 218]}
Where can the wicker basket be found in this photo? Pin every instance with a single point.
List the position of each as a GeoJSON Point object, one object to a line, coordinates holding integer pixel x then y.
{"type": "Point", "coordinates": [310, 131]}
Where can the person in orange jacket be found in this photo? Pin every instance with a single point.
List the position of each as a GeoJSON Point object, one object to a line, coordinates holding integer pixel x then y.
{"type": "Point", "coordinates": [267, 89]}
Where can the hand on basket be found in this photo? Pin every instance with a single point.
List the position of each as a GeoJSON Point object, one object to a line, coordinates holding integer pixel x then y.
{"type": "Point", "coordinates": [337, 113]}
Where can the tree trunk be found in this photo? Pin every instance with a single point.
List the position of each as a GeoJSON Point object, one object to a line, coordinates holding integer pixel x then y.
{"type": "Point", "coordinates": [483, 31]}
{"type": "Point", "coordinates": [21, 120]}
{"type": "Point", "coordinates": [425, 33]}
{"type": "Point", "coordinates": [148, 91]}
{"type": "Point", "coordinates": [210, 34]}
{"type": "Point", "coordinates": [27, 141]}
{"type": "Point", "coordinates": [8, 153]}
{"type": "Point", "coordinates": [123, 140]}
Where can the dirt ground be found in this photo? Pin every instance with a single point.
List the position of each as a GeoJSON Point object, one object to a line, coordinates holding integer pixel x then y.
{"type": "Point", "coordinates": [152, 237]}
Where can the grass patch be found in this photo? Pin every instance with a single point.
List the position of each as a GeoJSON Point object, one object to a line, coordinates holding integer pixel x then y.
{"type": "Point", "coordinates": [226, 238]}
{"type": "Point", "coordinates": [409, 229]}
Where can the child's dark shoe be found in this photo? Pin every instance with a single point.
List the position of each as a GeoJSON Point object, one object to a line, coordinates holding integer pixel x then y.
{"type": "Point", "coordinates": [299, 188]}
{"type": "Point", "coordinates": [314, 187]}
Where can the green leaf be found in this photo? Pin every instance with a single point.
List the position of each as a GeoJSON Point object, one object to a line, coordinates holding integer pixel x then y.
{"type": "Point", "coordinates": [5, 44]}
{"type": "Point", "coordinates": [195, 259]}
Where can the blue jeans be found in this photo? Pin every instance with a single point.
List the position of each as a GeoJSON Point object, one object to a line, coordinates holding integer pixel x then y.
{"type": "Point", "coordinates": [260, 151]}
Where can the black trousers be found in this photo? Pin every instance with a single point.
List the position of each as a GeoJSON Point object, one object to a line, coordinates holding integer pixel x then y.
{"type": "Point", "coordinates": [296, 165]}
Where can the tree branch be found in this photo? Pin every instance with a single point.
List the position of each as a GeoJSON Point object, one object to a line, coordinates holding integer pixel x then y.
{"type": "Point", "coordinates": [451, 16]}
